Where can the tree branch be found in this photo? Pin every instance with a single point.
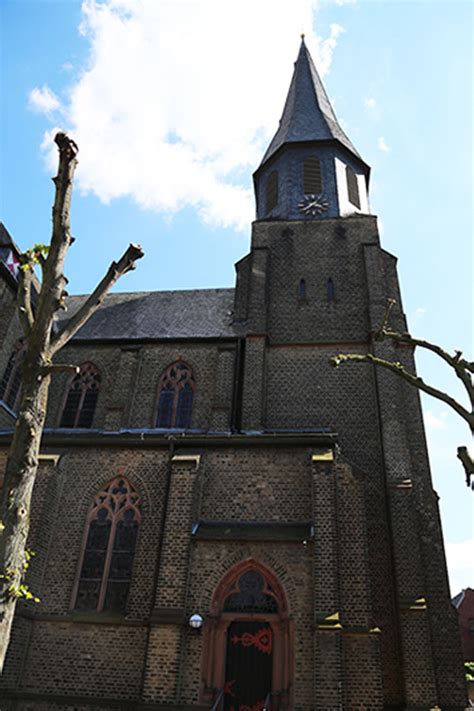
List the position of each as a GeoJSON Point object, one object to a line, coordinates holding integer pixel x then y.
{"type": "Point", "coordinates": [459, 365]}
{"type": "Point", "coordinates": [125, 264]}
{"type": "Point", "coordinates": [399, 370]}
{"type": "Point", "coordinates": [61, 368]}
{"type": "Point", "coordinates": [25, 311]}
{"type": "Point", "coordinates": [467, 462]}
{"type": "Point", "coordinates": [52, 259]}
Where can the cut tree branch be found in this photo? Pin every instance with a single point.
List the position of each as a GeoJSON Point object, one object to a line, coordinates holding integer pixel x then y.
{"type": "Point", "coordinates": [415, 380]}
{"type": "Point", "coordinates": [25, 311]}
{"type": "Point", "coordinates": [61, 368]}
{"type": "Point", "coordinates": [115, 271]}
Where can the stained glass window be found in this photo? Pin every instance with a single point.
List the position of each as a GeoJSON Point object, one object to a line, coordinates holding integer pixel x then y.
{"type": "Point", "coordinates": [352, 187]}
{"type": "Point", "coordinates": [175, 398]}
{"type": "Point", "coordinates": [81, 398]}
{"type": "Point", "coordinates": [106, 568]}
{"type": "Point", "coordinates": [312, 178]}
{"type": "Point", "coordinates": [272, 191]}
{"type": "Point", "coordinates": [254, 595]}
{"type": "Point", "coordinates": [11, 382]}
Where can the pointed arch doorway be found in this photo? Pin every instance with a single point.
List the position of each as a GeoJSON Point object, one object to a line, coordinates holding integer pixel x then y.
{"type": "Point", "coordinates": [248, 650]}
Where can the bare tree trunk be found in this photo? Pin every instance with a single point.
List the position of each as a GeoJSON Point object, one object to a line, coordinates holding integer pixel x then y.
{"type": "Point", "coordinates": [41, 347]}
{"type": "Point", "coordinates": [20, 476]}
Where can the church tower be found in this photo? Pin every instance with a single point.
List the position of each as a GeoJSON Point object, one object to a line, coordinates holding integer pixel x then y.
{"type": "Point", "coordinates": [310, 168]}
{"type": "Point", "coordinates": [315, 284]}
{"type": "Point", "coordinates": [221, 519]}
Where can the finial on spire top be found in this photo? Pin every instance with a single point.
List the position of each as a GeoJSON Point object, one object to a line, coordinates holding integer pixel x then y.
{"type": "Point", "coordinates": [302, 36]}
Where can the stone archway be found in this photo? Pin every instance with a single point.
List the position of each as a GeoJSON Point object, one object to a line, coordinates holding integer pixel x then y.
{"type": "Point", "coordinates": [248, 647]}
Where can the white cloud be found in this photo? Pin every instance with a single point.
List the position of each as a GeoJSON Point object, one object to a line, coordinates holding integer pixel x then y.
{"type": "Point", "coordinates": [370, 103]}
{"type": "Point", "coordinates": [172, 113]}
{"type": "Point", "coordinates": [382, 145]}
{"type": "Point", "coordinates": [420, 311]}
{"type": "Point", "coordinates": [435, 422]}
{"type": "Point", "coordinates": [345, 2]}
{"type": "Point", "coordinates": [43, 100]}
{"type": "Point", "coordinates": [460, 559]}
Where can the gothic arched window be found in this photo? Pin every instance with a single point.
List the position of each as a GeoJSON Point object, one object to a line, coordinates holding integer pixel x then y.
{"type": "Point", "coordinates": [302, 290]}
{"type": "Point", "coordinates": [109, 547]}
{"type": "Point", "coordinates": [175, 397]}
{"type": "Point", "coordinates": [352, 187]}
{"type": "Point", "coordinates": [272, 191]}
{"type": "Point", "coordinates": [81, 397]}
{"type": "Point", "coordinates": [11, 381]}
{"type": "Point", "coordinates": [312, 177]}
{"type": "Point", "coordinates": [331, 292]}
{"type": "Point", "coordinates": [251, 593]}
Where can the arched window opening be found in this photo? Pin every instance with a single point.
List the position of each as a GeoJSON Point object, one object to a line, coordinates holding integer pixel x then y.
{"type": "Point", "coordinates": [302, 290]}
{"type": "Point", "coordinates": [81, 398]}
{"type": "Point", "coordinates": [10, 385]}
{"type": "Point", "coordinates": [330, 290]}
{"type": "Point", "coordinates": [246, 648]}
{"type": "Point", "coordinates": [352, 187]}
{"type": "Point", "coordinates": [175, 399]}
{"type": "Point", "coordinates": [107, 558]}
{"type": "Point", "coordinates": [254, 594]}
{"type": "Point", "coordinates": [312, 176]}
{"type": "Point", "coordinates": [272, 191]}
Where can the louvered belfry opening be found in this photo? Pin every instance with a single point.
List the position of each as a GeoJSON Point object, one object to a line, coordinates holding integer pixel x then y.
{"type": "Point", "coordinates": [10, 384]}
{"type": "Point", "coordinates": [175, 397]}
{"type": "Point", "coordinates": [272, 191]}
{"type": "Point", "coordinates": [312, 176]}
{"type": "Point", "coordinates": [109, 548]}
{"type": "Point", "coordinates": [81, 399]}
{"type": "Point", "coordinates": [352, 187]}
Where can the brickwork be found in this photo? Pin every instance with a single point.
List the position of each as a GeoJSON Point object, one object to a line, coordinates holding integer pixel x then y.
{"type": "Point", "coordinates": [90, 661]}
{"type": "Point", "coordinates": [367, 620]}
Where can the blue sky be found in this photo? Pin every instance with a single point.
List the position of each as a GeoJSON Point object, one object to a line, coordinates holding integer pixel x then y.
{"type": "Point", "coordinates": [173, 104]}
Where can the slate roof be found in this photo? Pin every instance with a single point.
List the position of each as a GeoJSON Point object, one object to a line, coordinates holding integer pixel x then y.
{"type": "Point", "coordinates": [197, 313]}
{"type": "Point", "coordinates": [308, 114]}
{"type": "Point", "coordinates": [5, 239]}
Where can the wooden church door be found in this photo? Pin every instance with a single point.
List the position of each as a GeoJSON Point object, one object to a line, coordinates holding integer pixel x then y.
{"type": "Point", "coordinates": [248, 675]}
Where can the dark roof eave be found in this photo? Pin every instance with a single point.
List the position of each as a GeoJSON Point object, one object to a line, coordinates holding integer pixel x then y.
{"type": "Point", "coordinates": [323, 142]}
{"type": "Point", "coordinates": [77, 340]}
{"type": "Point", "coordinates": [145, 439]}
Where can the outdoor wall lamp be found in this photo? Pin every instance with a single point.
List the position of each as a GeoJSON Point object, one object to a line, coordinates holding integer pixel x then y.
{"type": "Point", "coordinates": [196, 621]}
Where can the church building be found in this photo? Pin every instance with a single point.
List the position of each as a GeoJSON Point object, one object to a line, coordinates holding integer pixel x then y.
{"type": "Point", "coordinates": [222, 520]}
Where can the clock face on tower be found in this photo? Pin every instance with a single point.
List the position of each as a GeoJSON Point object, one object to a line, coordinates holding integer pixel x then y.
{"type": "Point", "coordinates": [313, 204]}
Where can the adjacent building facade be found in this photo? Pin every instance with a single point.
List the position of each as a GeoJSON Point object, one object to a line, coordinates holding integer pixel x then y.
{"type": "Point", "coordinates": [208, 461]}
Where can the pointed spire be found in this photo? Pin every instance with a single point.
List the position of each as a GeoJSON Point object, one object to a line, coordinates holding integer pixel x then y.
{"type": "Point", "coordinates": [308, 114]}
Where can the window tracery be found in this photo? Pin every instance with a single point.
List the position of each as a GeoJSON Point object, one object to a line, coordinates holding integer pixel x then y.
{"type": "Point", "coordinates": [175, 398]}
{"type": "Point", "coordinates": [251, 593]}
{"type": "Point", "coordinates": [110, 540]}
{"type": "Point", "coordinates": [81, 399]}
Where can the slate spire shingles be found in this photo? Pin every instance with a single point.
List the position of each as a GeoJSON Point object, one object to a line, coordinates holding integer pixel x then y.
{"type": "Point", "coordinates": [307, 115]}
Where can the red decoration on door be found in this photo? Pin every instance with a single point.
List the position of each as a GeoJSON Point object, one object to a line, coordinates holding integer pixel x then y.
{"type": "Point", "coordinates": [228, 687]}
{"type": "Point", "coordinates": [262, 640]}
